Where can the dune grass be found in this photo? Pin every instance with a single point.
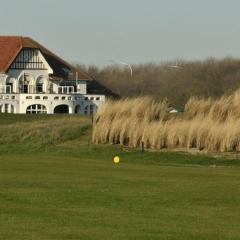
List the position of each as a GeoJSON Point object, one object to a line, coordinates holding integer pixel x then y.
{"type": "Point", "coordinates": [207, 124]}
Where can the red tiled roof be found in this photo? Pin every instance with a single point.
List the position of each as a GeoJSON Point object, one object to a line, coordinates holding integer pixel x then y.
{"type": "Point", "coordinates": [10, 47]}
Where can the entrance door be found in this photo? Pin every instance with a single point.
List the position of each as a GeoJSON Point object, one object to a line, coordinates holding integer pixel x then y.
{"type": "Point", "coordinates": [61, 109]}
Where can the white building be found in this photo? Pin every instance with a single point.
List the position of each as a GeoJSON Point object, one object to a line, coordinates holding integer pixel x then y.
{"type": "Point", "coordinates": [35, 80]}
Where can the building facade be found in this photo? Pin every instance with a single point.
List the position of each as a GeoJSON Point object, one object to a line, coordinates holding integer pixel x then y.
{"type": "Point", "coordinates": [34, 80]}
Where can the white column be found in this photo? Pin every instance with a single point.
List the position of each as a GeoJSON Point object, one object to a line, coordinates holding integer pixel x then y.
{"type": "Point", "coordinates": [70, 109]}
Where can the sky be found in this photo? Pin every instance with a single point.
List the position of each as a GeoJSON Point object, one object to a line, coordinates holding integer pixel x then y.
{"type": "Point", "coordinates": [134, 31]}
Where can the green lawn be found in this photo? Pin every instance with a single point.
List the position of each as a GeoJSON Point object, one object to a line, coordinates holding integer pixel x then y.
{"type": "Point", "coordinates": [70, 189]}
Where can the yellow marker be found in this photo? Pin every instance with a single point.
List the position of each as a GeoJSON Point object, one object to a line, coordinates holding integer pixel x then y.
{"type": "Point", "coordinates": [116, 159]}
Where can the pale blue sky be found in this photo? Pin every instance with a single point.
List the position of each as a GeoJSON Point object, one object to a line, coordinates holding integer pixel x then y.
{"type": "Point", "coordinates": [96, 31]}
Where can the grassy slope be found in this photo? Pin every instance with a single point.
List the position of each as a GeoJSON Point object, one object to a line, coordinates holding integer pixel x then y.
{"type": "Point", "coordinates": [67, 189]}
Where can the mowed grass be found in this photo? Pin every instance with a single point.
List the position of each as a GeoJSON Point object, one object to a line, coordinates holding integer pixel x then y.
{"type": "Point", "coordinates": [69, 188]}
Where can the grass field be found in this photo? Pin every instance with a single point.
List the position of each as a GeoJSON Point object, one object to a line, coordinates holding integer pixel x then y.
{"type": "Point", "coordinates": [57, 185]}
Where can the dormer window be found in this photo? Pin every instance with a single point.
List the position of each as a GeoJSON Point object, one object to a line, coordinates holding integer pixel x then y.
{"type": "Point", "coordinates": [66, 71]}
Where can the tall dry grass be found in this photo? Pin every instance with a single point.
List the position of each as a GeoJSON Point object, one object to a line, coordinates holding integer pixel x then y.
{"type": "Point", "coordinates": [207, 124]}
{"type": "Point", "coordinates": [121, 121]}
{"type": "Point", "coordinates": [217, 109]}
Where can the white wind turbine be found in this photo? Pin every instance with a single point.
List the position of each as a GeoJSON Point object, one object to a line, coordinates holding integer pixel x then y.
{"type": "Point", "coordinates": [124, 63]}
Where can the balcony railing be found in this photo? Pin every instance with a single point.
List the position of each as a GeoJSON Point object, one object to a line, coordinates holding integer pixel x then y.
{"type": "Point", "coordinates": [5, 89]}
{"type": "Point", "coordinates": [53, 97]}
{"type": "Point", "coordinates": [33, 89]}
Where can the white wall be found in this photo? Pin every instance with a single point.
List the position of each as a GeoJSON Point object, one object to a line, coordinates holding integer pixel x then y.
{"type": "Point", "coordinates": [50, 101]}
{"type": "Point", "coordinates": [2, 79]}
{"type": "Point", "coordinates": [82, 87]}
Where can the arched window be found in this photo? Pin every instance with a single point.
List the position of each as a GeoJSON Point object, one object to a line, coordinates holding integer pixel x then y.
{"type": "Point", "coordinates": [41, 85]}
{"type": "Point", "coordinates": [26, 84]}
{"type": "Point", "coordinates": [78, 109]}
{"type": "Point", "coordinates": [36, 109]}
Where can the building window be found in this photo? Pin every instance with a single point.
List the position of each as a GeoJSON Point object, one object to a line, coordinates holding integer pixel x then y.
{"type": "Point", "coordinates": [36, 109]}
{"type": "Point", "coordinates": [51, 88]}
{"type": "Point", "coordinates": [78, 109]}
{"type": "Point", "coordinates": [63, 98]}
{"type": "Point", "coordinates": [97, 98]}
{"type": "Point", "coordinates": [39, 87]}
{"type": "Point", "coordinates": [9, 85]}
{"type": "Point", "coordinates": [56, 98]}
{"type": "Point", "coordinates": [11, 108]}
{"type": "Point", "coordinates": [26, 84]}
{"type": "Point", "coordinates": [65, 90]}
{"type": "Point", "coordinates": [41, 84]}
{"type": "Point", "coordinates": [89, 109]}
{"type": "Point", "coordinates": [37, 97]}
{"type": "Point", "coordinates": [13, 97]}
{"type": "Point", "coordinates": [7, 108]}
{"type": "Point", "coordinates": [45, 98]}
{"type": "Point", "coordinates": [28, 97]}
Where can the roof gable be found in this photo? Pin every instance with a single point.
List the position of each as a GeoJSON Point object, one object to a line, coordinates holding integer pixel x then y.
{"type": "Point", "coordinates": [10, 47]}
{"type": "Point", "coordinates": [30, 58]}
